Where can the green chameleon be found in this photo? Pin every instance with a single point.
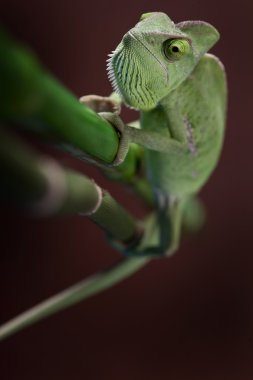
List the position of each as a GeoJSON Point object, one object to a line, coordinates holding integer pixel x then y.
{"type": "Point", "coordinates": [161, 69]}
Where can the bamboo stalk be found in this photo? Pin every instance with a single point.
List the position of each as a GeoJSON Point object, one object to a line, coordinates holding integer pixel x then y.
{"type": "Point", "coordinates": [22, 180]}
{"type": "Point", "coordinates": [33, 98]}
{"type": "Point", "coordinates": [46, 188]}
{"type": "Point", "coordinates": [33, 176]}
{"type": "Point", "coordinates": [113, 218]}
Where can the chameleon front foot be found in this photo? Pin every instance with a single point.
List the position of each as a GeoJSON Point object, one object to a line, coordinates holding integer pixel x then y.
{"type": "Point", "coordinates": [109, 108]}
{"type": "Point", "coordinates": [118, 124]}
{"type": "Point", "coordinates": [102, 103]}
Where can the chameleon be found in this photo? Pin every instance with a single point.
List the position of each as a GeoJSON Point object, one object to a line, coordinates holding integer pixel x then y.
{"type": "Point", "coordinates": [163, 70]}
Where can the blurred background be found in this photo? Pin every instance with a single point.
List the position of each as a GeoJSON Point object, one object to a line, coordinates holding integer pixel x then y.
{"type": "Point", "coordinates": [184, 318]}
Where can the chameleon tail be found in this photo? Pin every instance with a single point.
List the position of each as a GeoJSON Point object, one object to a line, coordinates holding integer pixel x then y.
{"type": "Point", "coordinates": [74, 294]}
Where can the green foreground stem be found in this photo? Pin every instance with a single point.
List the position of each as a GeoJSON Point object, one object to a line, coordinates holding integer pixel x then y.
{"type": "Point", "coordinates": [73, 295]}
{"type": "Point", "coordinates": [32, 98]}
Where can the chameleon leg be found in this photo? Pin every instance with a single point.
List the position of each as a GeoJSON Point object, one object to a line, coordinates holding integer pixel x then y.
{"type": "Point", "coordinates": [193, 215]}
{"type": "Point", "coordinates": [161, 229]}
{"type": "Point", "coordinates": [169, 217]}
{"type": "Point", "coordinates": [161, 233]}
{"type": "Point", "coordinates": [130, 172]}
{"type": "Point", "coordinates": [175, 214]}
{"type": "Point", "coordinates": [172, 219]}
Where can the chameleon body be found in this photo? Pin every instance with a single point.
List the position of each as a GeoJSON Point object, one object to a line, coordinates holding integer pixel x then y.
{"type": "Point", "coordinates": [162, 69]}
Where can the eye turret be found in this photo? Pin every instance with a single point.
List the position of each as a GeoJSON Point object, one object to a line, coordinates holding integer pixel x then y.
{"type": "Point", "coordinates": [175, 49]}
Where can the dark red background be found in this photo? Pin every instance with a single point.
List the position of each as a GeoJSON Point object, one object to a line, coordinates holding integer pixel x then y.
{"type": "Point", "coordinates": [188, 317]}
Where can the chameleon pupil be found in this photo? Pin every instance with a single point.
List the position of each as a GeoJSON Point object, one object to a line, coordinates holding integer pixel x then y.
{"type": "Point", "coordinates": [176, 49]}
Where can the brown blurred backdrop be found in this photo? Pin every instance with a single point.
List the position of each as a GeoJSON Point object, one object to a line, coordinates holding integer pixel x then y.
{"type": "Point", "coordinates": [184, 318]}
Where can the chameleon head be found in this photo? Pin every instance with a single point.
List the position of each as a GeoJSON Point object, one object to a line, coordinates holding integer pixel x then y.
{"type": "Point", "coordinates": [155, 56]}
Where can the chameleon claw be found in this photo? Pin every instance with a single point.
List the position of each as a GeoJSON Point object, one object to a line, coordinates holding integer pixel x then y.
{"type": "Point", "coordinates": [101, 103]}
{"type": "Point", "coordinates": [118, 124]}
{"type": "Point", "coordinates": [109, 108]}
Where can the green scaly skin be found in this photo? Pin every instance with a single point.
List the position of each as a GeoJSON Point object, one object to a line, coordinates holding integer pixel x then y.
{"type": "Point", "coordinates": [163, 70]}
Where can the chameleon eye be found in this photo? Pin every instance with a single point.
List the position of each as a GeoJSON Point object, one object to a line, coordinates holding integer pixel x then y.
{"type": "Point", "coordinates": [176, 49]}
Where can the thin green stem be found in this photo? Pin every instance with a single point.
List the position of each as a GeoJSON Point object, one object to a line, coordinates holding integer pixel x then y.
{"type": "Point", "coordinates": [73, 295]}
{"type": "Point", "coordinates": [115, 220]}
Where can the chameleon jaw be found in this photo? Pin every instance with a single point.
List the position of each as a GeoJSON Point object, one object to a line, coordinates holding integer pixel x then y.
{"type": "Point", "coordinates": [113, 79]}
{"type": "Point", "coordinates": [135, 95]}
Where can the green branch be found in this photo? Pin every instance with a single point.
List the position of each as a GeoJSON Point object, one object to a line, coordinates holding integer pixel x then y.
{"type": "Point", "coordinates": [33, 98]}
{"type": "Point", "coordinates": [73, 295]}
